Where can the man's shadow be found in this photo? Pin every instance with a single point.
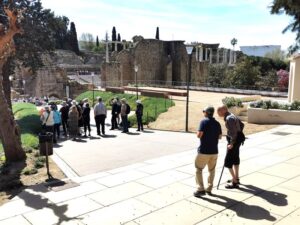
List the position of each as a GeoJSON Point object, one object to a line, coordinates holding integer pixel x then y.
{"type": "Point", "coordinates": [252, 212]}
{"type": "Point", "coordinates": [272, 197]}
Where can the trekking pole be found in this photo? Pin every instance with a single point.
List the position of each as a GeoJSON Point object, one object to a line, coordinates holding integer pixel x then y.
{"type": "Point", "coordinates": [220, 177]}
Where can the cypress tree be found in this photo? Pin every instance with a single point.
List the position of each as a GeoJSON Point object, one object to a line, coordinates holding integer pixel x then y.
{"type": "Point", "coordinates": [97, 41]}
{"type": "Point", "coordinates": [119, 47]}
{"type": "Point", "coordinates": [114, 36]}
{"type": "Point", "coordinates": [157, 33]}
{"type": "Point", "coordinates": [73, 41]}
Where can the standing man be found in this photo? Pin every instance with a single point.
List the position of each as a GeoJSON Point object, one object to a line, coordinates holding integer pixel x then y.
{"type": "Point", "coordinates": [124, 115]}
{"type": "Point", "coordinates": [232, 159]}
{"type": "Point", "coordinates": [64, 111]}
{"type": "Point", "coordinates": [209, 133]}
{"type": "Point", "coordinates": [139, 115]}
{"type": "Point", "coordinates": [114, 114]}
{"type": "Point", "coordinates": [100, 116]}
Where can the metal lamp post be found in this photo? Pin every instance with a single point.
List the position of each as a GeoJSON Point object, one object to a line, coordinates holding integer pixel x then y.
{"type": "Point", "coordinates": [93, 74]}
{"type": "Point", "coordinates": [189, 50]}
{"type": "Point", "coordinates": [136, 68]}
{"type": "Point", "coordinates": [24, 83]}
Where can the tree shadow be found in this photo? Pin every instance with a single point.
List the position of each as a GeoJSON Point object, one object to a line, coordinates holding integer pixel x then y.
{"type": "Point", "coordinates": [10, 178]}
{"type": "Point", "coordinates": [35, 198]}
{"type": "Point", "coordinates": [243, 210]}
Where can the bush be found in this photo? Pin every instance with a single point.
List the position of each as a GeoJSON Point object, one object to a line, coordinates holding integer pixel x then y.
{"type": "Point", "coordinates": [231, 102]}
{"type": "Point", "coordinates": [30, 171]}
{"type": "Point", "coordinates": [268, 104]}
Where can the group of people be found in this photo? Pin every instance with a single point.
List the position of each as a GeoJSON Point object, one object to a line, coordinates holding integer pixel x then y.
{"type": "Point", "coordinates": [73, 116]}
{"type": "Point", "coordinates": [209, 133]}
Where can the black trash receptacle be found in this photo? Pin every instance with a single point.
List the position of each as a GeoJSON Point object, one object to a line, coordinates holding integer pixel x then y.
{"type": "Point", "coordinates": [46, 143]}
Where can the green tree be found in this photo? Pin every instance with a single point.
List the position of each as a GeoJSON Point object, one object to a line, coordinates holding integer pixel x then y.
{"type": "Point", "coordinates": [276, 54]}
{"type": "Point", "coordinates": [24, 27]}
{"type": "Point", "coordinates": [216, 75]}
{"type": "Point", "coordinates": [290, 8]}
{"type": "Point", "coordinates": [244, 75]}
{"type": "Point", "coordinates": [157, 33]}
{"type": "Point", "coordinates": [87, 42]}
{"type": "Point", "coordinates": [73, 41]}
{"type": "Point", "coordinates": [97, 41]}
{"type": "Point", "coordinates": [114, 37]}
{"type": "Point", "coordinates": [233, 42]}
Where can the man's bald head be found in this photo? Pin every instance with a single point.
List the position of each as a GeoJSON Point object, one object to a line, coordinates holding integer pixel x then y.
{"type": "Point", "coordinates": [222, 110]}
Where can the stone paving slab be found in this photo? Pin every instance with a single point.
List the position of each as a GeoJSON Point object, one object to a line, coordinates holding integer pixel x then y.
{"type": "Point", "coordinates": [159, 190]}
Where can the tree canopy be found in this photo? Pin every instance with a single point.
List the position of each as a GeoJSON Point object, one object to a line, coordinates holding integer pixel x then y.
{"type": "Point", "coordinates": [290, 8]}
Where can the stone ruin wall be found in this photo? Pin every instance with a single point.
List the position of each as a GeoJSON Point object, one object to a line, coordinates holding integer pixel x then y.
{"type": "Point", "coordinates": [165, 62]}
{"type": "Point", "coordinates": [52, 79]}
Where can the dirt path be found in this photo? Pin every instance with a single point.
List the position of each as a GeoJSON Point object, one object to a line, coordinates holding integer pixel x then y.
{"type": "Point", "coordinates": [174, 119]}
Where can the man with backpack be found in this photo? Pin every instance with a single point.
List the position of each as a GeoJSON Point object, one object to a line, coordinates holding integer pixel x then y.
{"type": "Point", "coordinates": [235, 138]}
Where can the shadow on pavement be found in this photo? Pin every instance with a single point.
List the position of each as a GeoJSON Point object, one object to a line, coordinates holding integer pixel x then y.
{"type": "Point", "coordinates": [148, 132]}
{"type": "Point", "coordinates": [109, 136]}
{"type": "Point", "coordinates": [273, 197]}
{"type": "Point", "coordinates": [32, 198]}
{"type": "Point", "coordinates": [131, 133]}
{"type": "Point", "coordinates": [252, 212]}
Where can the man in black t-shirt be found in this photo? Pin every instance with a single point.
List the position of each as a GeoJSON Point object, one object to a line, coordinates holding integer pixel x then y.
{"type": "Point", "coordinates": [209, 133]}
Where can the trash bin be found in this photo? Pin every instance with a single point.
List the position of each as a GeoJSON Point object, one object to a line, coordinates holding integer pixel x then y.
{"type": "Point", "coordinates": [46, 143]}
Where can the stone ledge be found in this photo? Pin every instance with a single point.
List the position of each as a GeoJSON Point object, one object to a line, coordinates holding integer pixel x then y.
{"type": "Point", "coordinates": [273, 116]}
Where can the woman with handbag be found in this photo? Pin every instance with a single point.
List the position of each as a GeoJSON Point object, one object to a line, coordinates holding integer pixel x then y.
{"type": "Point", "coordinates": [48, 121]}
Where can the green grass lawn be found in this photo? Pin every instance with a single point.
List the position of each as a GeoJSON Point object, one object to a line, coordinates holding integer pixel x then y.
{"type": "Point", "coordinates": [152, 106]}
{"type": "Point", "coordinates": [28, 119]}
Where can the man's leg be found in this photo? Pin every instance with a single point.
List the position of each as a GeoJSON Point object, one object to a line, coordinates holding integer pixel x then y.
{"type": "Point", "coordinates": [211, 170]}
{"type": "Point", "coordinates": [97, 124]}
{"type": "Point", "coordinates": [200, 163]}
{"type": "Point", "coordinates": [103, 124]}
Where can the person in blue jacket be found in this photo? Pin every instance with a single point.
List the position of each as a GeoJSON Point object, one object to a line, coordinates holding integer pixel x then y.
{"type": "Point", "coordinates": [57, 123]}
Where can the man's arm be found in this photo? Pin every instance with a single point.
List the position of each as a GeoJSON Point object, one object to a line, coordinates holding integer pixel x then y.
{"type": "Point", "coordinates": [199, 134]}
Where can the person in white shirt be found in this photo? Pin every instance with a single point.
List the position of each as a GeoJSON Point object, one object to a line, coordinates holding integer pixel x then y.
{"type": "Point", "coordinates": [100, 113]}
{"type": "Point", "coordinates": [47, 119]}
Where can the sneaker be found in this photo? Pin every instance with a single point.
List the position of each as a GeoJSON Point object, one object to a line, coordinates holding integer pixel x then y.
{"type": "Point", "coordinates": [238, 181]}
{"type": "Point", "coordinates": [198, 194]}
{"type": "Point", "coordinates": [209, 193]}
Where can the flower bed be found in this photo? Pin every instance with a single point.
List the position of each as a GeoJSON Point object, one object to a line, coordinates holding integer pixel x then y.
{"type": "Point", "coordinates": [272, 112]}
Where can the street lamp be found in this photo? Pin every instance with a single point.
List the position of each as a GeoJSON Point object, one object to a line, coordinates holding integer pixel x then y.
{"type": "Point", "coordinates": [189, 50]}
{"type": "Point", "coordinates": [24, 83]}
{"type": "Point", "coordinates": [136, 68]}
{"type": "Point", "coordinates": [93, 74]}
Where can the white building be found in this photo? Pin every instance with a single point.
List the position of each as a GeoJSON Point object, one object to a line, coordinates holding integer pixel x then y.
{"type": "Point", "coordinates": [260, 50]}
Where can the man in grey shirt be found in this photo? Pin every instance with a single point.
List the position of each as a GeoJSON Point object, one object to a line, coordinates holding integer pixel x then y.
{"type": "Point", "coordinates": [100, 116]}
{"type": "Point", "coordinates": [232, 159]}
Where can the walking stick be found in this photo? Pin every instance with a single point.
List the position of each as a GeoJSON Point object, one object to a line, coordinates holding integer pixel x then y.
{"type": "Point", "coordinates": [220, 177]}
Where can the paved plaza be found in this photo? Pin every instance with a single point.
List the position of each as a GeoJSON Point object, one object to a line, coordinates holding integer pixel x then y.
{"type": "Point", "coordinates": [157, 187]}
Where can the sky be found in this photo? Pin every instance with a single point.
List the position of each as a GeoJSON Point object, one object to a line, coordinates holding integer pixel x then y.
{"type": "Point", "coordinates": [206, 21]}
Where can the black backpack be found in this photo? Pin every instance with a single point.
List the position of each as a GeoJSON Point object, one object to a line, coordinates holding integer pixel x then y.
{"type": "Point", "coordinates": [241, 136]}
{"type": "Point", "coordinates": [127, 109]}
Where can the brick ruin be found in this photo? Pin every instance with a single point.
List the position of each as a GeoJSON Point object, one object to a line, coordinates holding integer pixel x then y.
{"type": "Point", "coordinates": [162, 62]}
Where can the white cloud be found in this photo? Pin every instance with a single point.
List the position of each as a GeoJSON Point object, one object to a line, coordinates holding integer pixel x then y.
{"type": "Point", "coordinates": [191, 20]}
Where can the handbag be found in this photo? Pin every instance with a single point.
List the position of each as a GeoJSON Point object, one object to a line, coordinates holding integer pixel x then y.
{"type": "Point", "coordinates": [44, 124]}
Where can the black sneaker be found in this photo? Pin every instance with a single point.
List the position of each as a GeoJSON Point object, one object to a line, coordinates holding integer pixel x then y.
{"type": "Point", "coordinates": [198, 194]}
{"type": "Point", "coordinates": [232, 186]}
{"type": "Point", "coordinates": [238, 181]}
{"type": "Point", "coordinates": [209, 193]}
